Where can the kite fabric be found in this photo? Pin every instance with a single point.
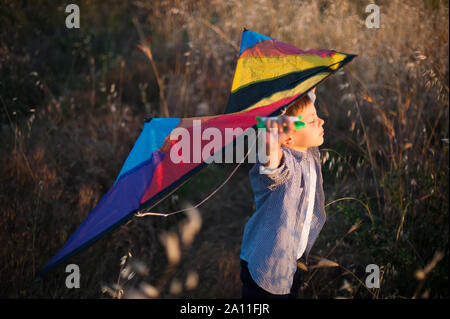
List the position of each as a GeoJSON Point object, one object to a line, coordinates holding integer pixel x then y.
{"type": "Point", "coordinates": [269, 76]}
{"type": "Point", "coordinates": [270, 71]}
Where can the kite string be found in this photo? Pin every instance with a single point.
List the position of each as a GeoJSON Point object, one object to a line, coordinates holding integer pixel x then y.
{"type": "Point", "coordinates": [205, 199]}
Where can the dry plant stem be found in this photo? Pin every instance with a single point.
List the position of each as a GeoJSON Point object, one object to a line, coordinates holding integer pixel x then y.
{"type": "Point", "coordinates": [353, 228]}
{"type": "Point", "coordinates": [118, 290]}
{"type": "Point", "coordinates": [383, 272]}
{"type": "Point", "coordinates": [117, 116]}
{"type": "Point", "coordinates": [20, 144]}
{"type": "Point", "coordinates": [359, 280]}
{"type": "Point", "coordinates": [366, 206]}
{"type": "Point", "coordinates": [146, 49]}
{"type": "Point", "coordinates": [315, 294]}
{"type": "Point", "coordinates": [334, 247]}
{"type": "Point", "coordinates": [93, 84]}
{"type": "Point", "coordinates": [122, 67]}
{"type": "Point", "coordinates": [217, 30]}
{"type": "Point", "coordinates": [184, 95]}
{"type": "Point", "coordinates": [366, 139]}
{"type": "Point", "coordinates": [347, 271]}
{"type": "Point", "coordinates": [168, 273]}
{"type": "Point", "coordinates": [422, 273]}
{"type": "Point", "coordinates": [400, 227]}
{"type": "Point", "coordinates": [427, 144]}
{"type": "Point", "coordinates": [36, 212]}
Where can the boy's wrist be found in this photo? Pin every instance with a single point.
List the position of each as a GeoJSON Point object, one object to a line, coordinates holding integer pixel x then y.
{"type": "Point", "coordinates": [275, 160]}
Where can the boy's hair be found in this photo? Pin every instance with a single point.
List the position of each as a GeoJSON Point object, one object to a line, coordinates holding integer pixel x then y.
{"type": "Point", "coordinates": [298, 105]}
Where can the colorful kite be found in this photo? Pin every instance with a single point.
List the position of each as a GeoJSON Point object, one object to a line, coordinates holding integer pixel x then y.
{"type": "Point", "coordinates": [269, 76]}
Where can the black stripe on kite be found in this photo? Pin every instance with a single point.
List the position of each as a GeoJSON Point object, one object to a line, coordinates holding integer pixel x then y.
{"type": "Point", "coordinates": [251, 94]}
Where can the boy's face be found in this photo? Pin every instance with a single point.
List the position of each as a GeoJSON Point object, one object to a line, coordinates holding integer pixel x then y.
{"type": "Point", "coordinates": [309, 136]}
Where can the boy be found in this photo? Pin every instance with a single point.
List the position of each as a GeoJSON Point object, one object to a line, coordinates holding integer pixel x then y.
{"type": "Point", "coordinates": [289, 205]}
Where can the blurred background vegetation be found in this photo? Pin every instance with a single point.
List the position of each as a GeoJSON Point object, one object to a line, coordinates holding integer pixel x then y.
{"type": "Point", "coordinates": [73, 102]}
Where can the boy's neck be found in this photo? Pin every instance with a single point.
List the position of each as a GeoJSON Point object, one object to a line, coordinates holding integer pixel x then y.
{"type": "Point", "coordinates": [299, 149]}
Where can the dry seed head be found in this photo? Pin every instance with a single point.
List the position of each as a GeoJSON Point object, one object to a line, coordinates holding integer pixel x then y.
{"type": "Point", "coordinates": [191, 280]}
{"type": "Point", "coordinates": [176, 287]}
{"type": "Point", "coordinates": [346, 286]}
{"type": "Point", "coordinates": [325, 157]}
{"type": "Point", "coordinates": [420, 274]}
{"type": "Point", "coordinates": [323, 262]}
{"type": "Point", "coordinates": [125, 272]}
{"type": "Point", "coordinates": [191, 227]}
{"type": "Point", "coordinates": [140, 268]}
{"type": "Point", "coordinates": [170, 241]}
{"type": "Point", "coordinates": [134, 294]}
{"type": "Point", "coordinates": [109, 291]}
{"type": "Point", "coordinates": [355, 226]}
{"type": "Point", "coordinates": [149, 290]}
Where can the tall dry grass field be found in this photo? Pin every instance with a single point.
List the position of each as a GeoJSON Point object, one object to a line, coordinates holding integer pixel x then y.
{"type": "Point", "coordinates": [73, 103]}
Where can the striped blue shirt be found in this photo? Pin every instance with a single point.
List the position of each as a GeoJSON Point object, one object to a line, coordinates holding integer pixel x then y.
{"type": "Point", "coordinates": [271, 243]}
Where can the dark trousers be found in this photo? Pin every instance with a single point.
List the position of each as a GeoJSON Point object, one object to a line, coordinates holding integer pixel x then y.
{"type": "Point", "coordinates": [251, 290]}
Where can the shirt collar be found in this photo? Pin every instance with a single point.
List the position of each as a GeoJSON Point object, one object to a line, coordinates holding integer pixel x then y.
{"type": "Point", "coordinates": [301, 156]}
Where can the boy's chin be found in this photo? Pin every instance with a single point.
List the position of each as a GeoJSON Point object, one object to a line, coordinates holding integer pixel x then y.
{"type": "Point", "coordinates": [320, 141]}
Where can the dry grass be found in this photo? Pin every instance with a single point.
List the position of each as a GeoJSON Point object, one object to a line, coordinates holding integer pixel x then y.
{"type": "Point", "coordinates": [71, 110]}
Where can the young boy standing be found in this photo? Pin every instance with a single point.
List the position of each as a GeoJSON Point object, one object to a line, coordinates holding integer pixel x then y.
{"type": "Point", "coordinates": [289, 199]}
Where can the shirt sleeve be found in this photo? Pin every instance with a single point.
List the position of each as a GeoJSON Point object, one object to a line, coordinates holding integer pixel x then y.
{"type": "Point", "coordinates": [266, 170]}
{"type": "Point", "coordinates": [272, 178]}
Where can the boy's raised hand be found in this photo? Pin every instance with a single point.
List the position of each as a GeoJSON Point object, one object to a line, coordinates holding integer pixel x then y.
{"type": "Point", "coordinates": [278, 129]}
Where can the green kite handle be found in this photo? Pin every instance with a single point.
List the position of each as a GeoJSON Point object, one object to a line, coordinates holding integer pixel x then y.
{"type": "Point", "coordinates": [296, 119]}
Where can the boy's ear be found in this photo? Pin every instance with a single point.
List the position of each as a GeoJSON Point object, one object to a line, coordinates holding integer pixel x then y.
{"type": "Point", "coordinates": [289, 141]}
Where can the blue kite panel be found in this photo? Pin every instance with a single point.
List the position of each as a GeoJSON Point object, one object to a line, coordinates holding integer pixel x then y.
{"type": "Point", "coordinates": [151, 139]}
{"type": "Point", "coordinates": [250, 38]}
